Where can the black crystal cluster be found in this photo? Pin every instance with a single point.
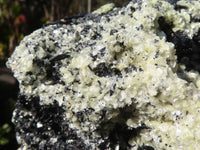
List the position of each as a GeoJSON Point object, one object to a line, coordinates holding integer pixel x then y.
{"type": "Point", "coordinates": [44, 123]}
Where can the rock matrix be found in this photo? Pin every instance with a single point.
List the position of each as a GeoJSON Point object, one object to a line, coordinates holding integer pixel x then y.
{"type": "Point", "coordinates": [116, 79]}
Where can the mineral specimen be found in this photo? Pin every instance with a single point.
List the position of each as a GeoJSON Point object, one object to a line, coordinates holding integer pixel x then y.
{"type": "Point", "coordinates": [118, 78]}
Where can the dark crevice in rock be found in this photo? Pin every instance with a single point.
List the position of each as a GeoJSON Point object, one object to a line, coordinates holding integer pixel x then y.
{"type": "Point", "coordinates": [173, 2]}
{"type": "Point", "coordinates": [144, 147]}
{"type": "Point", "coordinates": [116, 132]}
{"type": "Point", "coordinates": [51, 67]}
{"type": "Point", "coordinates": [104, 70]}
{"type": "Point", "coordinates": [53, 73]}
{"type": "Point", "coordinates": [179, 7]}
{"type": "Point", "coordinates": [187, 49]}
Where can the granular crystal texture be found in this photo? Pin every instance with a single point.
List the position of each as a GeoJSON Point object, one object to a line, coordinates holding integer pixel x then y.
{"type": "Point", "coordinates": [117, 79]}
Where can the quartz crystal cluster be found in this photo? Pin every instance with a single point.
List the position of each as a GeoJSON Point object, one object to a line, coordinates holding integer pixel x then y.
{"type": "Point", "coordinates": [115, 79]}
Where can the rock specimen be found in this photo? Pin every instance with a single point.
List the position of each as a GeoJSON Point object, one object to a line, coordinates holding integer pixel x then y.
{"type": "Point", "coordinates": [118, 78]}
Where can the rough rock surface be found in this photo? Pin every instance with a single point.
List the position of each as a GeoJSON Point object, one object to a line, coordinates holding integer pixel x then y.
{"type": "Point", "coordinates": [118, 78]}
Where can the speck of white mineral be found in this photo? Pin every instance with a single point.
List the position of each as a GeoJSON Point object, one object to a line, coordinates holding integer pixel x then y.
{"type": "Point", "coordinates": [119, 78]}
